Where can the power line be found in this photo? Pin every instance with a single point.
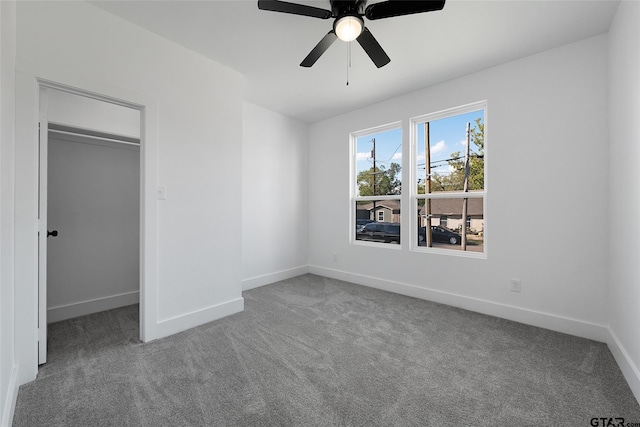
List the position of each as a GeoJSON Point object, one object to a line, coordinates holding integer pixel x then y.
{"type": "Point", "coordinates": [393, 154]}
{"type": "Point", "coordinates": [475, 156]}
{"type": "Point", "coordinates": [370, 159]}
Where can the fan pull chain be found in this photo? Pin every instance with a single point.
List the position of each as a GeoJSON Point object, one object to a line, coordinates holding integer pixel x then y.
{"type": "Point", "coordinates": [348, 60]}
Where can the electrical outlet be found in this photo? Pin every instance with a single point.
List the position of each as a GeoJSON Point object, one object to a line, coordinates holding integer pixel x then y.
{"type": "Point", "coordinates": [335, 257]}
{"type": "Point", "coordinates": [516, 285]}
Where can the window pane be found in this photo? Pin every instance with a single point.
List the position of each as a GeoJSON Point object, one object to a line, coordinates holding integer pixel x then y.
{"type": "Point", "coordinates": [378, 163]}
{"type": "Point", "coordinates": [378, 221]}
{"type": "Point", "coordinates": [445, 219]}
{"type": "Point", "coordinates": [445, 159]}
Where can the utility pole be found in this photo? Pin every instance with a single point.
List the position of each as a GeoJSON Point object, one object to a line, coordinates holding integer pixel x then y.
{"type": "Point", "coordinates": [427, 188]}
{"type": "Point", "coordinates": [373, 175]}
{"type": "Point", "coordinates": [465, 202]}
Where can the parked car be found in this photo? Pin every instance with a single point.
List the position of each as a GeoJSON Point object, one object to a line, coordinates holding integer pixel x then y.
{"type": "Point", "coordinates": [440, 234]}
{"type": "Point", "coordinates": [386, 232]}
{"type": "Point", "coordinates": [361, 223]}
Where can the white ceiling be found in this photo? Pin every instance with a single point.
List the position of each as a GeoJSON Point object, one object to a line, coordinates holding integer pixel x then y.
{"type": "Point", "coordinates": [425, 49]}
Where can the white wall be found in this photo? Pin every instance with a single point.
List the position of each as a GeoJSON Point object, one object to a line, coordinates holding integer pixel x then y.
{"type": "Point", "coordinates": [192, 136]}
{"type": "Point", "coordinates": [547, 151]}
{"type": "Point", "coordinates": [274, 197]}
{"type": "Point", "coordinates": [87, 113]}
{"type": "Point", "coordinates": [8, 369]}
{"type": "Point", "coordinates": [94, 204]}
{"type": "Point", "coordinates": [624, 190]}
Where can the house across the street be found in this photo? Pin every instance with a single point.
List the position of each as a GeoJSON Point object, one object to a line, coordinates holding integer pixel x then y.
{"type": "Point", "coordinates": [445, 212]}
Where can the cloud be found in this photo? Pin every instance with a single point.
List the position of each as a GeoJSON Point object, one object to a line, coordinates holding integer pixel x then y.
{"type": "Point", "coordinates": [363, 156]}
{"type": "Point", "coordinates": [421, 157]}
{"type": "Point", "coordinates": [439, 147]}
{"type": "Point", "coordinates": [397, 156]}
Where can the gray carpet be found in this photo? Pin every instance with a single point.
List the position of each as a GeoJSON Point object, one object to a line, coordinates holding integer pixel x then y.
{"type": "Point", "coordinates": [312, 351]}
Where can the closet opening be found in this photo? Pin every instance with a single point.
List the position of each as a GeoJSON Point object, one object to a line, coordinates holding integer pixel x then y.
{"type": "Point", "coordinates": [90, 177]}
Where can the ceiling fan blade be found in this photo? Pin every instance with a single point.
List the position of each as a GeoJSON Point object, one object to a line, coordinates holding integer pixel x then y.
{"type": "Point", "coordinates": [319, 49]}
{"type": "Point", "coordinates": [294, 8]}
{"type": "Point", "coordinates": [373, 48]}
{"type": "Point", "coordinates": [390, 8]}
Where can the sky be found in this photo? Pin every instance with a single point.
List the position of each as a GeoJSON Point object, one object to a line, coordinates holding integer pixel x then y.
{"type": "Point", "coordinates": [447, 136]}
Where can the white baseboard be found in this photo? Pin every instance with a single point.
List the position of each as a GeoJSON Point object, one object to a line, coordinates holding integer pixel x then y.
{"type": "Point", "coordinates": [629, 369]}
{"type": "Point", "coordinates": [266, 279]}
{"type": "Point", "coordinates": [9, 404]}
{"type": "Point", "coordinates": [82, 308]}
{"type": "Point", "coordinates": [530, 317]}
{"type": "Point", "coordinates": [199, 317]}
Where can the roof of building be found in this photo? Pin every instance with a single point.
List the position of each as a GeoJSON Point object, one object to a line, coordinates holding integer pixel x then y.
{"type": "Point", "coordinates": [449, 206]}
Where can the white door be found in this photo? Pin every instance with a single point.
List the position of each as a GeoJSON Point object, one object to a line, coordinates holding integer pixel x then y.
{"type": "Point", "coordinates": [42, 227]}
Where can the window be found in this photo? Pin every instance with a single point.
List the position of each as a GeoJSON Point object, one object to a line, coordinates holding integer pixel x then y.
{"type": "Point", "coordinates": [446, 189]}
{"type": "Point", "coordinates": [377, 183]}
{"type": "Point", "coordinates": [449, 187]}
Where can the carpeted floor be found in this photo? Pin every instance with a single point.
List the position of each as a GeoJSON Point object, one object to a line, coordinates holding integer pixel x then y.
{"type": "Point", "coordinates": [313, 351]}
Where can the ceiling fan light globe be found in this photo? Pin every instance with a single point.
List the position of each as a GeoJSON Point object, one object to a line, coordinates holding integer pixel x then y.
{"type": "Point", "coordinates": [348, 28]}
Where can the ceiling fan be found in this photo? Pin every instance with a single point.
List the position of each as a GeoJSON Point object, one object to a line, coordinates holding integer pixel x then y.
{"type": "Point", "coordinates": [349, 23]}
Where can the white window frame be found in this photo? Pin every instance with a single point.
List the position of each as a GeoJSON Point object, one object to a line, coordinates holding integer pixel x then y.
{"type": "Point", "coordinates": [353, 198]}
{"type": "Point", "coordinates": [413, 181]}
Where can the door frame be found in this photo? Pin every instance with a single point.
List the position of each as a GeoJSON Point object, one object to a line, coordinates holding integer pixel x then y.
{"type": "Point", "coordinates": [147, 221]}
{"type": "Point", "coordinates": [43, 165]}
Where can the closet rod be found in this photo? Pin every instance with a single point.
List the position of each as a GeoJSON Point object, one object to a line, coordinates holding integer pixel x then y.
{"type": "Point", "coordinates": [100, 138]}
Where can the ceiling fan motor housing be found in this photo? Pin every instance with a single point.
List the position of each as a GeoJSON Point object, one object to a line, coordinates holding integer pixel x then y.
{"type": "Point", "coordinates": [340, 8]}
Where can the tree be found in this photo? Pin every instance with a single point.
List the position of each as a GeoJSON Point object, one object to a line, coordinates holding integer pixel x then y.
{"type": "Point", "coordinates": [455, 180]}
{"type": "Point", "coordinates": [387, 181]}
{"type": "Point", "coordinates": [447, 182]}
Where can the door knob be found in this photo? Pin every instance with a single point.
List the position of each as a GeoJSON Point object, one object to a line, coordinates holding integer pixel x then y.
{"type": "Point", "coordinates": [53, 233]}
